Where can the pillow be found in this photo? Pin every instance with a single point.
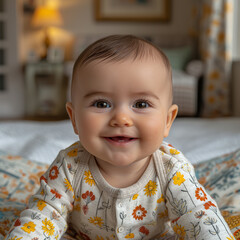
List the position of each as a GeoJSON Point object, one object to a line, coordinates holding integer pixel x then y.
{"type": "Point", "coordinates": [221, 178]}
{"type": "Point", "coordinates": [178, 56]}
{"type": "Point", "coordinates": [19, 179]}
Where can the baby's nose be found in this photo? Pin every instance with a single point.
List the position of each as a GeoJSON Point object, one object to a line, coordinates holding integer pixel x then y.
{"type": "Point", "coordinates": [121, 120]}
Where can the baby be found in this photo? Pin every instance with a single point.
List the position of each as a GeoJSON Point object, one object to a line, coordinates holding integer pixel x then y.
{"type": "Point", "coordinates": [121, 181]}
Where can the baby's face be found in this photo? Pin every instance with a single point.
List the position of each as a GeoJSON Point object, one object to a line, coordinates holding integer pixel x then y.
{"type": "Point", "coordinates": [122, 110]}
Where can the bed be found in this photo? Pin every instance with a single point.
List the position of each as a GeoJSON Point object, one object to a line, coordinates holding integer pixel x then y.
{"type": "Point", "coordinates": [212, 145]}
{"type": "Point", "coordinates": [28, 147]}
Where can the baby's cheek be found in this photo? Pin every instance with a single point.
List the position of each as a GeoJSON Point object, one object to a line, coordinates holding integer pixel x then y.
{"type": "Point", "coordinates": [90, 125]}
{"type": "Point", "coordinates": [153, 132]}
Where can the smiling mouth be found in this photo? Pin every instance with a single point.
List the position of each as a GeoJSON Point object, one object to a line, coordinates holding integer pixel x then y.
{"type": "Point", "coordinates": [120, 139]}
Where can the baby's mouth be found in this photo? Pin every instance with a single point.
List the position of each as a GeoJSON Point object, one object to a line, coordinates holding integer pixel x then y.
{"type": "Point", "coordinates": [120, 139]}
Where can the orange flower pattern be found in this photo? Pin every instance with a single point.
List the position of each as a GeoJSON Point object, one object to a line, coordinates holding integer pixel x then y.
{"type": "Point", "coordinates": [53, 173]}
{"type": "Point", "coordinates": [208, 205]}
{"type": "Point", "coordinates": [88, 197]}
{"type": "Point", "coordinates": [56, 194]}
{"type": "Point", "coordinates": [138, 212]}
{"type": "Point", "coordinates": [200, 194]}
{"type": "Point", "coordinates": [144, 230]}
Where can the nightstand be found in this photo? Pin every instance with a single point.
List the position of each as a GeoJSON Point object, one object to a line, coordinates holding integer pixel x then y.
{"type": "Point", "coordinates": [45, 89]}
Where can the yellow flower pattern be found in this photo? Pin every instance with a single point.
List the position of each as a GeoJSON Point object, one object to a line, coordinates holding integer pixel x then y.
{"type": "Point", "coordinates": [96, 221]}
{"type": "Point", "coordinates": [15, 238]}
{"type": "Point", "coordinates": [130, 235]}
{"type": "Point", "coordinates": [68, 185]}
{"type": "Point", "coordinates": [73, 153]}
{"type": "Point", "coordinates": [29, 227]}
{"type": "Point", "coordinates": [48, 227]}
{"type": "Point", "coordinates": [178, 179]}
{"type": "Point", "coordinates": [174, 151]}
{"type": "Point", "coordinates": [179, 230]}
{"type": "Point", "coordinates": [135, 196]}
{"type": "Point", "coordinates": [89, 178]}
{"type": "Point", "coordinates": [163, 214]}
{"type": "Point", "coordinates": [161, 199]}
{"type": "Point", "coordinates": [150, 188]}
{"type": "Point", "coordinates": [41, 205]}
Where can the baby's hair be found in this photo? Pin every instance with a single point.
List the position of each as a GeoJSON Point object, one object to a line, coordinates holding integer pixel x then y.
{"type": "Point", "coordinates": [117, 48]}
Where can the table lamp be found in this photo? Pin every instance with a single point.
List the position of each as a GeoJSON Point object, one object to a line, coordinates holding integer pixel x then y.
{"type": "Point", "coordinates": [45, 17]}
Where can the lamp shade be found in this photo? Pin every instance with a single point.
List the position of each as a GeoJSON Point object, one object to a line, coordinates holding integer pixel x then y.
{"type": "Point", "coordinates": [46, 17]}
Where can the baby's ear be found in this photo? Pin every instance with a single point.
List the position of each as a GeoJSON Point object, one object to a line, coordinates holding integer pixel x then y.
{"type": "Point", "coordinates": [71, 114]}
{"type": "Point", "coordinates": [172, 114]}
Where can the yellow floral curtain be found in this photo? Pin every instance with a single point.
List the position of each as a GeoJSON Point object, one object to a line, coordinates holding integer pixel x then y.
{"type": "Point", "coordinates": [215, 40]}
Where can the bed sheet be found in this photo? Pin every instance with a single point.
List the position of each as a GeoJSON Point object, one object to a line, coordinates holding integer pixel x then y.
{"type": "Point", "coordinates": [199, 139]}
{"type": "Point", "coordinates": [38, 141]}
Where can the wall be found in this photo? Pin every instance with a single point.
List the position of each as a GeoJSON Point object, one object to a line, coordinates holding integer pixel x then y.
{"type": "Point", "coordinates": [12, 97]}
{"type": "Point", "coordinates": [79, 20]}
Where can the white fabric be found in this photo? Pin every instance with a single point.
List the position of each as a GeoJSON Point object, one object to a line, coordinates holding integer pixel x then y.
{"type": "Point", "coordinates": [199, 139]}
{"type": "Point", "coordinates": [202, 139]}
{"type": "Point", "coordinates": [39, 141]}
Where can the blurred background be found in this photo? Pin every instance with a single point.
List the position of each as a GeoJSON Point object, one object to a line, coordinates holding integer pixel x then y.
{"type": "Point", "coordinates": [40, 39]}
{"type": "Point", "coordinates": [39, 42]}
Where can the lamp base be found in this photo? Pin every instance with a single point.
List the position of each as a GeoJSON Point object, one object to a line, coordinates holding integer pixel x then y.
{"type": "Point", "coordinates": [47, 43]}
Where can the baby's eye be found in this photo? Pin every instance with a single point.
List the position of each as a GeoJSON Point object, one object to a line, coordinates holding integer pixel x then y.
{"type": "Point", "coordinates": [141, 104]}
{"type": "Point", "coordinates": [101, 104]}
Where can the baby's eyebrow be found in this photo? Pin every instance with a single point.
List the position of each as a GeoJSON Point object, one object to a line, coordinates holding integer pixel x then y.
{"type": "Point", "coordinates": [146, 94]}
{"type": "Point", "coordinates": [91, 94]}
{"type": "Point", "coordinates": [135, 94]}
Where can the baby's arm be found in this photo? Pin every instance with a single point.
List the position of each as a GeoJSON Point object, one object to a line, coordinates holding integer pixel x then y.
{"type": "Point", "coordinates": [46, 215]}
{"type": "Point", "coordinates": [193, 213]}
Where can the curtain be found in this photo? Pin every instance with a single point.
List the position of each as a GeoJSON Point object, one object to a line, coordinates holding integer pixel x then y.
{"type": "Point", "coordinates": [216, 31]}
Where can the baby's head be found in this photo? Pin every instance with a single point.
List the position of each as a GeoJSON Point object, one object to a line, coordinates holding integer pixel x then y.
{"type": "Point", "coordinates": [118, 48]}
{"type": "Point", "coordinates": [121, 103]}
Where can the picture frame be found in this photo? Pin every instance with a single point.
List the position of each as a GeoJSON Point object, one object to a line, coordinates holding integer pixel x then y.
{"type": "Point", "coordinates": [132, 10]}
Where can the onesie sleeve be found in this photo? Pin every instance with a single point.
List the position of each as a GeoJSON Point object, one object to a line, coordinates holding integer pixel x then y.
{"type": "Point", "coordinates": [192, 211]}
{"type": "Point", "coordinates": [48, 210]}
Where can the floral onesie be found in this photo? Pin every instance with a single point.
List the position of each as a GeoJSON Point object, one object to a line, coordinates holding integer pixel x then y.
{"type": "Point", "coordinates": [166, 203]}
